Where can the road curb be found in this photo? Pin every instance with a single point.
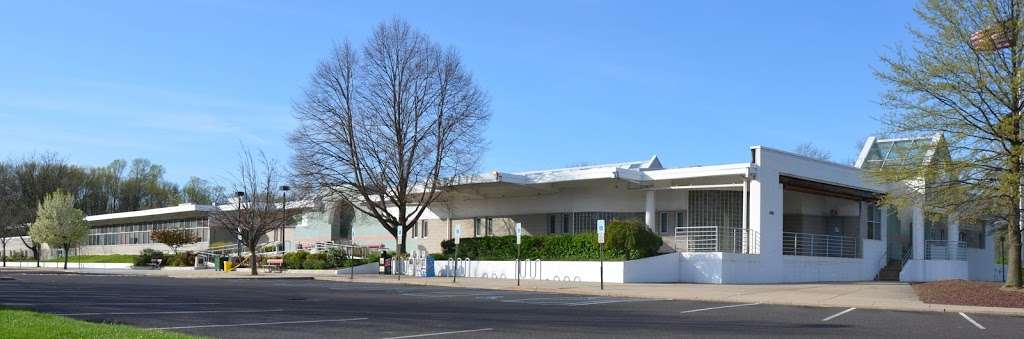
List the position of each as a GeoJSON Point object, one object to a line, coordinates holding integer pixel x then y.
{"type": "Point", "coordinates": [935, 308]}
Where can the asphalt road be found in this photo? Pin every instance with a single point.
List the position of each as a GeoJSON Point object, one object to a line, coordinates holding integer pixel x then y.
{"type": "Point", "coordinates": [321, 309]}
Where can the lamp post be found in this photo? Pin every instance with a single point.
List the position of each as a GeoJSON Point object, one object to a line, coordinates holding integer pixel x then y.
{"type": "Point", "coordinates": [238, 229]}
{"type": "Point", "coordinates": [284, 210]}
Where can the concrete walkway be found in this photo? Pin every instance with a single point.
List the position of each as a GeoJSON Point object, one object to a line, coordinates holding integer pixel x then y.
{"type": "Point", "coordinates": [869, 295]}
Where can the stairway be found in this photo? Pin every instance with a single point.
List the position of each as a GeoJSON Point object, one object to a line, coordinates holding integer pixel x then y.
{"type": "Point", "coordinates": [891, 271]}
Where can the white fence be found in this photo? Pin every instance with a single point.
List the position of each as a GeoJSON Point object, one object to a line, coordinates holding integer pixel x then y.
{"type": "Point", "coordinates": [819, 245]}
{"type": "Point", "coordinates": [716, 239]}
{"type": "Point", "coordinates": [945, 250]}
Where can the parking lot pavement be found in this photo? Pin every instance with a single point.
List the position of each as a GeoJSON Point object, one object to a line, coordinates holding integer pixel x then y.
{"type": "Point", "coordinates": [316, 309]}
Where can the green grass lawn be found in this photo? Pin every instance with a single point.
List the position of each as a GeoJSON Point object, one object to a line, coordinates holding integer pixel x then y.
{"type": "Point", "coordinates": [105, 258]}
{"type": "Point", "coordinates": [26, 324]}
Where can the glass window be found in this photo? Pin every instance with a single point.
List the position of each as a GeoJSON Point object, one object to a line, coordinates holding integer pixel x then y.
{"type": "Point", "coordinates": [489, 227]}
{"type": "Point", "coordinates": [423, 228]}
{"type": "Point", "coordinates": [874, 222]}
{"type": "Point", "coordinates": [663, 222]}
{"type": "Point", "coordinates": [476, 227]}
{"type": "Point", "coordinates": [552, 228]}
{"type": "Point", "coordinates": [566, 221]}
{"type": "Point", "coordinates": [681, 219]}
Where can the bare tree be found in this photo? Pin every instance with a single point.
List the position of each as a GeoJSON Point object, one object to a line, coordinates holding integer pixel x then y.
{"type": "Point", "coordinates": [808, 149]}
{"type": "Point", "coordinates": [257, 210]}
{"type": "Point", "coordinates": [10, 207]}
{"type": "Point", "coordinates": [389, 126]}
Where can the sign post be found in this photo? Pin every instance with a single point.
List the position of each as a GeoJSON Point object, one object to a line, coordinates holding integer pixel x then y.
{"type": "Point", "coordinates": [397, 263]}
{"type": "Point", "coordinates": [458, 235]}
{"type": "Point", "coordinates": [600, 242]}
{"type": "Point", "coordinates": [519, 251]}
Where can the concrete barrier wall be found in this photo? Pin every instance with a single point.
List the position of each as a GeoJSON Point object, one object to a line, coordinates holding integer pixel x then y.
{"type": "Point", "coordinates": [582, 271]}
{"type": "Point", "coordinates": [981, 265]}
{"type": "Point", "coordinates": [71, 264]}
{"type": "Point", "coordinates": [932, 270]}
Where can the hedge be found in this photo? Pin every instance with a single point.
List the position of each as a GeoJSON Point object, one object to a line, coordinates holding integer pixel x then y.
{"type": "Point", "coordinates": [332, 258]}
{"type": "Point", "coordinates": [625, 240]}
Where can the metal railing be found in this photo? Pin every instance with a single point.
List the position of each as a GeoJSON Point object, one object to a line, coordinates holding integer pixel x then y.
{"type": "Point", "coordinates": [945, 250]}
{"type": "Point", "coordinates": [819, 245]}
{"type": "Point", "coordinates": [354, 251]}
{"type": "Point", "coordinates": [717, 239]}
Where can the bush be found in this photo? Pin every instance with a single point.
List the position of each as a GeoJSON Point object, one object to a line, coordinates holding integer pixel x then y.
{"type": "Point", "coordinates": [146, 256]}
{"type": "Point", "coordinates": [295, 259]}
{"type": "Point", "coordinates": [334, 257]}
{"type": "Point", "coordinates": [314, 263]}
{"type": "Point", "coordinates": [181, 259]}
{"type": "Point", "coordinates": [633, 239]}
{"type": "Point", "coordinates": [624, 240]}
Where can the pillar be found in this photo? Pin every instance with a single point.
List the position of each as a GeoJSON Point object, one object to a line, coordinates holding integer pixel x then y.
{"type": "Point", "coordinates": [650, 210]}
{"type": "Point", "coordinates": [953, 236]}
{"type": "Point", "coordinates": [917, 232]}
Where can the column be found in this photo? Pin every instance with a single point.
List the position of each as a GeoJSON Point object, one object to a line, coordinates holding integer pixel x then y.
{"type": "Point", "coordinates": [650, 210]}
{"type": "Point", "coordinates": [917, 232]}
{"type": "Point", "coordinates": [953, 236]}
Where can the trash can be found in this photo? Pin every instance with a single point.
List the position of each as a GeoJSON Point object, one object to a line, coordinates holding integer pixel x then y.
{"type": "Point", "coordinates": [228, 265]}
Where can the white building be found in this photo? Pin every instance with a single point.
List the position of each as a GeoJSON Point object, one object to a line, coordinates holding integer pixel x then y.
{"type": "Point", "coordinates": [779, 217]}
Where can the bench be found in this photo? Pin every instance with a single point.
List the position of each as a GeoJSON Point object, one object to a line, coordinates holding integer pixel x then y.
{"type": "Point", "coordinates": [155, 263]}
{"type": "Point", "coordinates": [275, 264]}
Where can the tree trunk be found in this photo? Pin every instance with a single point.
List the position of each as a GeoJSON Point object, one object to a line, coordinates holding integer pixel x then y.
{"type": "Point", "coordinates": [3, 252]}
{"type": "Point", "coordinates": [66, 249]}
{"type": "Point", "coordinates": [253, 260]}
{"type": "Point", "coordinates": [1013, 269]}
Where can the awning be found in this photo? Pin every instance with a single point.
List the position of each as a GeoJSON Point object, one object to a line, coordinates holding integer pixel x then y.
{"type": "Point", "coordinates": [820, 188]}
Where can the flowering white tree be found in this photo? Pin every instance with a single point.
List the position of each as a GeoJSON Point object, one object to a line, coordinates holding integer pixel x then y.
{"type": "Point", "coordinates": [59, 223]}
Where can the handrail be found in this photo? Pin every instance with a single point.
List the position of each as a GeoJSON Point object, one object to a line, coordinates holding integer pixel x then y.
{"type": "Point", "coordinates": [945, 250]}
{"type": "Point", "coordinates": [717, 239]}
{"type": "Point", "coordinates": [819, 245]}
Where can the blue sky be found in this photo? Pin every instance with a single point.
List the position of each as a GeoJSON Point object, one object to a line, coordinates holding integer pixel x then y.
{"type": "Point", "coordinates": [570, 82]}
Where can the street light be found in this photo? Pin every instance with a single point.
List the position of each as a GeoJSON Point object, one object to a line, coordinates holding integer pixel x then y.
{"type": "Point", "coordinates": [284, 210]}
{"type": "Point", "coordinates": [238, 228]}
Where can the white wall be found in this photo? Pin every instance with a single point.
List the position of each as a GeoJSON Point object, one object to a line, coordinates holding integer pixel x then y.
{"type": "Point", "coordinates": [981, 265]}
{"type": "Point", "coordinates": [71, 264]}
{"type": "Point", "coordinates": [734, 268]}
{"type": "Point", "coordinates": [662, 268]}
{"type": "Point", "coordinates": [932, 270]}
{"type": "Point", "coordinates": [583, 271]}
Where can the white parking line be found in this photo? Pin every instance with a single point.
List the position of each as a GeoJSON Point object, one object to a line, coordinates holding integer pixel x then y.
{"type": "Point", "coordinates": [449, 295]}
{"type": "Point", "coordinates": [717, 308]}
{"type": "Point", "coordinates": [598, 302]}
{"type": "Point", "coordinates": [175, 312]}
{"type": "Point", "coordinates": [975, 323]}
{"type": "Point", "coordinates": [257, 324]}
{"type": "Point", "coordinates": [440, 333]}
{"type": "Point", "coordinates": [839, 314]}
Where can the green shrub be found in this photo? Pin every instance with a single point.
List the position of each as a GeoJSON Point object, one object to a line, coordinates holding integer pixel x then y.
{"type": "Point", "coordinates": [625, 240]}
{"type": "Point", "coordinates": [181, 259]}
{"type": "Point", "coordinates": [334, 257]}
{"type": "Point", "coordinates": [314, 263]}
{"type": "Point", "coordinates": [146, 256]}
{"type": "Point", "coordinates": [295, 259]}
{"type": "Point", "coordinates": [633, 239]}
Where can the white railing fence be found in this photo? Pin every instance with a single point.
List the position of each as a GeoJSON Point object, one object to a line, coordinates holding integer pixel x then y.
{"type": "Point", "coordinates": [819, 245]}
{"type": "Point", "coordinates": [945, 250]}
{"type": "Point", "coordinates": [717, 239]}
